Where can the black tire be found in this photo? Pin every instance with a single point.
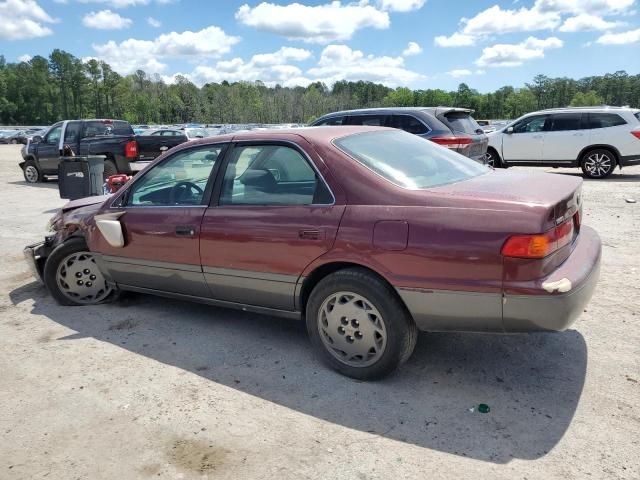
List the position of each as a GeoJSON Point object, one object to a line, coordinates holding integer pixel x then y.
{"type": "Point", "coordinates": [14, 141]}
{"type": "Point", "coordinates": [110, 168]}
{"type": "Point", "coordinates": [598, 163]}
{"type": "Point", "coordinates": [493, 159]}
{"type": "Point", "coordinates": [31, 172]}
{"type": "Point", "coordinates": [401, 331]}
{"type": "Point", "coordinates": [62, 252]}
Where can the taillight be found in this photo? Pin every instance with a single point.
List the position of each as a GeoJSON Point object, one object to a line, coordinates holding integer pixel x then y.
{"type": "Point", "coordinates": [131, 149]}
{"type": "Point", "coordinates": [636, 133]}
{"type": "Point", "coordinates": [452, 141]}
{"type": "Point", "coordinates": [539, 245]}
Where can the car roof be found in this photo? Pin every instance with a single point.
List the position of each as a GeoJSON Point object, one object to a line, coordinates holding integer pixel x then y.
{"type": "Point", "coordinates": [602, 108]}
{"type": "Point", "coordinates": [433, 110]}
{"type": "Point", "coordinates": [311, 134]}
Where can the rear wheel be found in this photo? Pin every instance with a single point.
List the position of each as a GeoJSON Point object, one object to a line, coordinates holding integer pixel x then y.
{"type": "Point", "coordinates": [110, 168]}
{"type": "Point", "coordinates": [358, 325]}
{"type": "Point", "coordinates": [73, 277]}
{"type": "Point", "coordinates": [598, 163]}
{"type": "Point", "coordinates": [14, 141]}
{"type": "Point", "coordinates": [31, 172]}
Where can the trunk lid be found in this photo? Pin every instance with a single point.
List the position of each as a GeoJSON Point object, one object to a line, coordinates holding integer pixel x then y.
{"type": "Point", "coordinates": [556, 197]}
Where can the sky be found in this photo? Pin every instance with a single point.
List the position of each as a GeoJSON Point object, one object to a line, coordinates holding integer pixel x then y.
{"type": "Point", "coordinates": [412, 43]}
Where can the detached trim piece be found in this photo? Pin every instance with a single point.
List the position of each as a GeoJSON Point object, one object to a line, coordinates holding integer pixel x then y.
{"type": "Point", "coordinates": [111, 228]}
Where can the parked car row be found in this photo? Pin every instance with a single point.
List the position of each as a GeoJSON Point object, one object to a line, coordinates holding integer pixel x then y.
{"type": "Point", "coordinates": [18, 136]}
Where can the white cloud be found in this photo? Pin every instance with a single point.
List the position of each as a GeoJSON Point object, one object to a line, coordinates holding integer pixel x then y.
{"type": "Point", "coordinates": [270, 68]}
{"type": "Point", "coordinates": [340, 62]}
{"type": "Point", "coordinates": [602, 7]}
{"type": "Point", "coordinates": [495, 20]}
{"type": "Point", "coordinates": [624, 38]}
{"type": "Point", "coordinates": [412, 49]}
{"type": "Point", "coordinates": [461, 72]}
{"type": "Point", "coordinates": [585, 22]}
{"type": "Point", "coordinates": [153, 22]}
{"type": "Point", "coordinates": [25, 58]}
{"type": "Point", "coordinates": [513, 55]}
{"type": "Point", "coordinates": [106, 20]}
{"type": "Point", "coordinates": [455, 40]}
{"type": "Point", "coordinates": [132, 54]}
{"type": "Point", "coordinates": [401, 5]}
{"type": "Point", "coordinates": [22, 19]}
{"type": "Point", "coordinates": [313, 24]}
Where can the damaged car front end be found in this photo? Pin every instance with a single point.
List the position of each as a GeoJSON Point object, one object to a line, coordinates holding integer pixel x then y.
{"type": "Point", "coordinates": [72, 220]}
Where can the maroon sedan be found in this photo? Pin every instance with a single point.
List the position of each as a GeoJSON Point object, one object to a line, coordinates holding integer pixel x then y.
{"type": "Point", "coordinates": [369, 234]}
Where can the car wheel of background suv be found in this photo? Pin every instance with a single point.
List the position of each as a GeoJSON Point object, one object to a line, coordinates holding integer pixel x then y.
{"type": "Point", "coordinates": [493, 159]}
{"type": "Point", "coordinates": [31, 172]}
{"type": "Point", "coordinates": [358, 325]}
{"type": "Point", "coordinates": [598, 163]}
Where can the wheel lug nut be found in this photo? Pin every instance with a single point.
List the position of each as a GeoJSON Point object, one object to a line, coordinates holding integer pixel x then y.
{"type": "Point", "coordinates": [78, 274]}
{"type": "Point", "coordinates": [341, 330]}
{"type": "Point", "coordinates": [355, 323]}
{"type": "Point", "coordinates": [88, 284]}
{"type": "Point", "coordinates": [358, 334]}
{"type": "Point", "coordinates": [86, 271]}
{"type": "Point", "coordinates": [79, 282]}
{"type": "Point", "coordinates": [349, 339]}
{"type": "Point", "coordinates": [344, 321]}
{"type": "Point", "coordinates": [92, 277]}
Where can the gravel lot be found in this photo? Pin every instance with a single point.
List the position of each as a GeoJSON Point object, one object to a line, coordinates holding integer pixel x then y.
{"type": "Point", "coordinates": [149, 387]}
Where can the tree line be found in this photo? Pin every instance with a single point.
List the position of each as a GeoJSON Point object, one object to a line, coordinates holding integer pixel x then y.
{"type": "Point", "coordinates": [45, 90]}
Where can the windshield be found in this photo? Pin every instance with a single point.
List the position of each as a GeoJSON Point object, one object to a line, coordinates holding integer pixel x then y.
{"type": "Point", "coordinates": [409, 161]}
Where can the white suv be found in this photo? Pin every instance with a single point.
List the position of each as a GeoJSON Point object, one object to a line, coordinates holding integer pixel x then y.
{"type": "Point", "coordinates": [593, 138]}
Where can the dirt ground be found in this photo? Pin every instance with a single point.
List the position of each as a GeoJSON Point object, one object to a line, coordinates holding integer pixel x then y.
{"type": "Point", "coordinates": [155, 388]}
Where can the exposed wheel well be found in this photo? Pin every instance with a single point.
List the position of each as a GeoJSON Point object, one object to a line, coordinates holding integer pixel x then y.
{"type": "Point", "coordinates": [323, 271]}
{"type": "Point", "coordinates": [613, 150]}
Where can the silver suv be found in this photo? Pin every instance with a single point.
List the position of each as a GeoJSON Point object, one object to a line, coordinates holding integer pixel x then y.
{"type": "Point", "coordinates": [595, 139]}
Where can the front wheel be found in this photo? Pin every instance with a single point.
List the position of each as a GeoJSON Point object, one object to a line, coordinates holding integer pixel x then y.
{"type": "Point", "coordinates": [598, 163]}
{"type": "Point", "coordinates": [358, 325]}
{"type": "Point", "coordinates": [72, 275]}
{"type": "Point", "coordinates": [493, 159]}
{"type": "Point", "coordinates": [31, 172]}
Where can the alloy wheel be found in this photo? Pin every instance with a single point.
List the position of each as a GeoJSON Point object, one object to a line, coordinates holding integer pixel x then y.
{"type": "Point", "coordinates": [31, 174]}
{"type": "Point", "coordinates": [598, 164]}
{"type": "Point", "coordinates": [352, 329]}
{"type": "Point", "coordinates": [80, 279]}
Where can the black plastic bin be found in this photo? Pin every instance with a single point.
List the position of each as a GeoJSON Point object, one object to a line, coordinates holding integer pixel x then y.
{"type": "Point", "coordinates": [80, 177]}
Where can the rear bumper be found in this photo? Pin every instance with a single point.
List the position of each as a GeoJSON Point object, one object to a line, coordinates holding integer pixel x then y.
{"type": "Point", "coordinates": [561, 296]}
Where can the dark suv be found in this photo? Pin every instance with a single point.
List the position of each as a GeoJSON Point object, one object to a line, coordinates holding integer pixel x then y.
{"type": "Point", "coordinates": [450, 127]}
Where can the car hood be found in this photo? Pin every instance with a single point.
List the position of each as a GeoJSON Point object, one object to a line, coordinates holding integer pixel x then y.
{"type": "Point", "coordinates": [84, 202]}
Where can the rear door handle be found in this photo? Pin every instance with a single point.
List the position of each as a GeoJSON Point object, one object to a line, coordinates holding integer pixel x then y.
{"type": "Point", "coordinates": [310, 234]}
{"type": "Point", "coordinates": [185, 231]}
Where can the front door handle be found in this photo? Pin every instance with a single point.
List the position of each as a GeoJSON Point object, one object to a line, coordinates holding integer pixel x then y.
{"type": "Point", "coordinates": [310, 234]}
{"type": "Point", "coordinates": [163, 148]}
{"type": "Point", "coordinates": [185, 231]}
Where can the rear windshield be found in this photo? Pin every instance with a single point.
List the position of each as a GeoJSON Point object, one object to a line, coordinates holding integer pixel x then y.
{"type": "Point", "coordinates": [459, 122]}
{"type": "Point", "coordinates": [99, 127]}
{"type": "Point", "coordinates": [407, 160]}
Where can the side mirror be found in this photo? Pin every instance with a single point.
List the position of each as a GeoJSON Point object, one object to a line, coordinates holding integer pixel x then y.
{"type": "Point", "coordinates": [509, 130]}
{"type": "Point", "coordinates": [36, 139]}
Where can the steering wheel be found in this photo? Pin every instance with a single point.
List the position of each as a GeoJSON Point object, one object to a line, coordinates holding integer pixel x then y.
{"type": "Point", "coordinates": [179, 190]}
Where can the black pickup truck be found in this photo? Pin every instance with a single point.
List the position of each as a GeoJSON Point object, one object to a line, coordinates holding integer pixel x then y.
{"type": "Point", "coordinates": [112, 138]}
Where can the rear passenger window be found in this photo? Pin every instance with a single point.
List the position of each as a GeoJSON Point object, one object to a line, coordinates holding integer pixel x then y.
{"type": "Point", "coordinates": [605, 120]}
{"type": "Point", "coordinates": [408, 124]}
{"type": "Point", "coordinates": [72, 132]}
{"type": "Point", "coordinates": [331, 121]}
{"type": "Point", "coordinates": [272, 175]}
{"type": "Point", "coordinates": [370, 120]}
{"type": "Point", "coordinates": [566, 121]}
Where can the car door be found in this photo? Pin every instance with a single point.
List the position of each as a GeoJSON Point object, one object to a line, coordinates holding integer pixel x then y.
{"type": "Point", "coordinates": [565, 139]}
{"type": "Point", "coordinates": [49, 150]}
{"type": "Point", "coordinates": [159, 216]}
{"type": "Point", "coordinates": [523, 142]}
{"type": "Point", "coordinates": [275, 215]}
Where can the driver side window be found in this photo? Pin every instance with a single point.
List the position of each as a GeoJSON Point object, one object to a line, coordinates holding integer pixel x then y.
{"type": "Point", "coordinates": [53, 137]}
{"type": "Point", "coordinates": [531, 124]}
{"type": "Point", "coordinates": [179, 181]}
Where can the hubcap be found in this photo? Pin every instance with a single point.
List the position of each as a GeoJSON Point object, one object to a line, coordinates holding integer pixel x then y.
{"type": "Point", "coordinates": [491, 160]}
{"type": "Point", "coordinates": [352, 329]}
{"type": "Point", "coordinates": [598, 164]}
{"type": "Point", "coordinates": [31, 174]}
{"type": "Point", "coordinates": [80, 280]}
